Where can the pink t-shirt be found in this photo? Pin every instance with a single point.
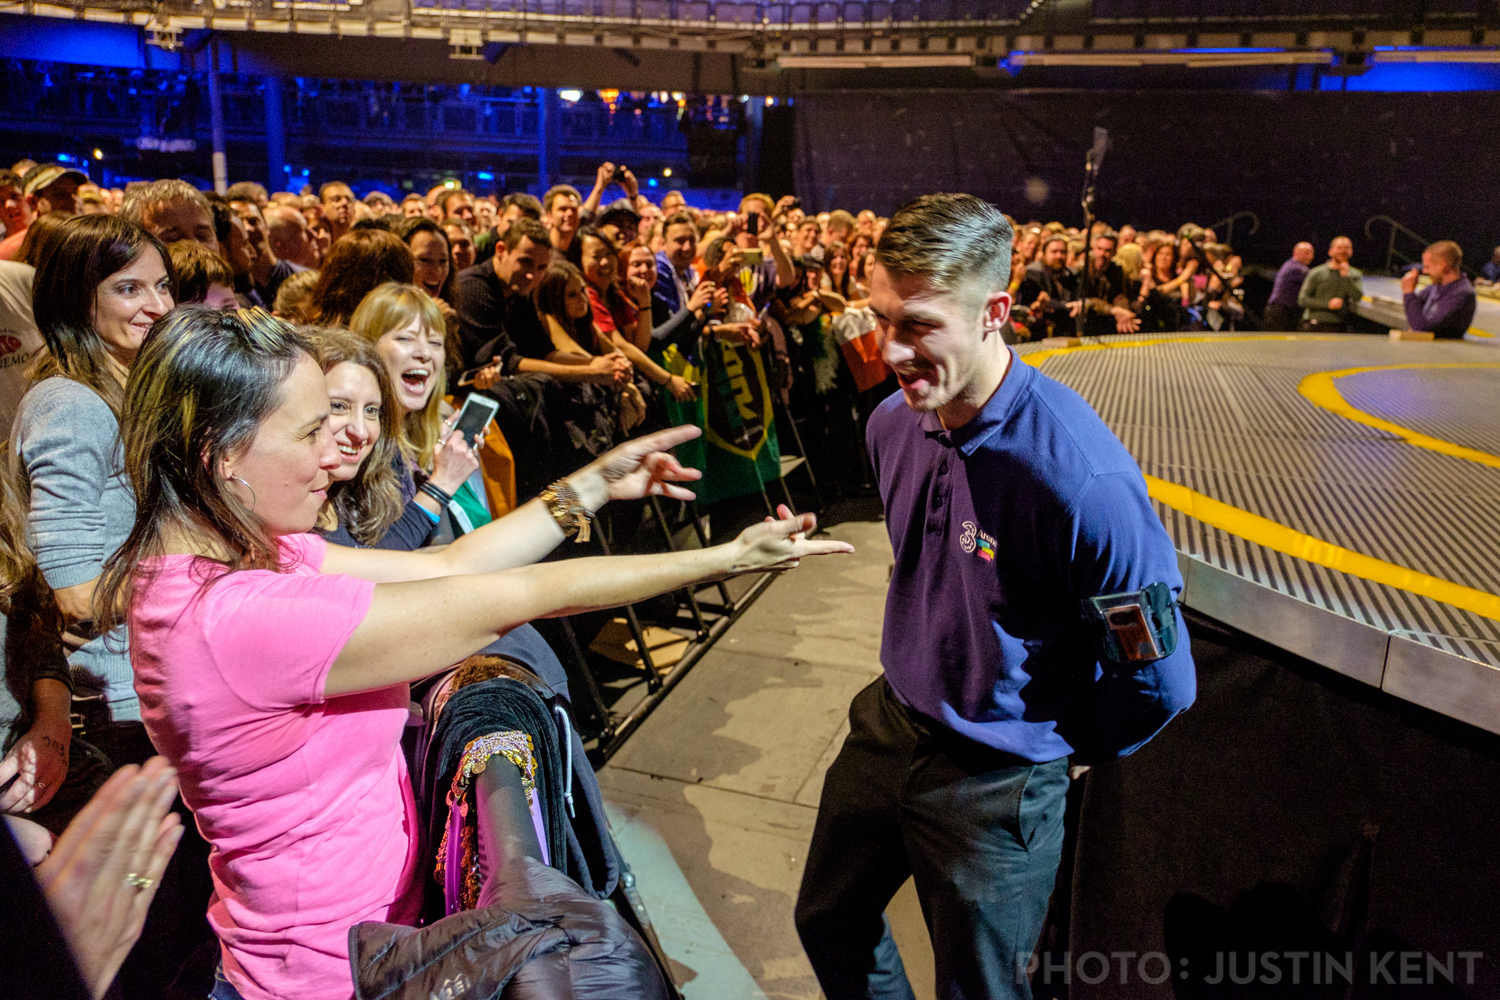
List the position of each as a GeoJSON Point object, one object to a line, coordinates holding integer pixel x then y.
{"type": "Point", "coordinates": [305, 800]}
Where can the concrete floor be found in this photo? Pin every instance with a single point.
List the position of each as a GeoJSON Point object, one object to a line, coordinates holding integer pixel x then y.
{"type": "Point", "coordinates": [713, 799]}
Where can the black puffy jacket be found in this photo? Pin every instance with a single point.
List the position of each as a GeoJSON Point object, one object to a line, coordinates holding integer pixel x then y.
{"type": "Point", "coordinates": [535, 936]}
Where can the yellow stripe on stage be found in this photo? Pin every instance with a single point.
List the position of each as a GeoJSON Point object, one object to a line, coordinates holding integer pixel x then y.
{"type": "Point", "coordinates": [1319, 388]}
{"type": "Point", "coordinates": [1254, 528]}
{"type": "Point", "coordinates": [1279, 538]}
{"type": "Point", "coordinates": [1036, 358]}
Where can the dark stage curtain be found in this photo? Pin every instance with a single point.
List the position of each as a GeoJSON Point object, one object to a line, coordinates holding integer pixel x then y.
{"type": "Point", "coordinates": [1311, 165]}
{"type": "Point", "coordinates": [1290, 810]}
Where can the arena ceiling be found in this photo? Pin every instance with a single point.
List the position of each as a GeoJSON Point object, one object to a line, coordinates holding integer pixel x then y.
{"type": "Point", "coordinates": [726, 45]}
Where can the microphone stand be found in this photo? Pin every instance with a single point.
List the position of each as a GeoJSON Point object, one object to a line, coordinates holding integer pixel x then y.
{"type": "Point", "coordinates": [1091, 166]}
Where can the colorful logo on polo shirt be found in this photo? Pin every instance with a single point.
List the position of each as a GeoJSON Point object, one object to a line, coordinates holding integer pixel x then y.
{"type": "Point", "coordinates": [977, 542]}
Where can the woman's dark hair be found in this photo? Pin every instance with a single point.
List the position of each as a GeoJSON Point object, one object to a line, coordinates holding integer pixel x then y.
{"type": "Point", "coordinates": [408, 230]}
{"type": "Point", "coordinates": [552, 300]}
{"type": "Point", "coordinates": [202, 384]}
{"type": "Point", "coordinates": [80, 255]}
{"type": "Point", "coordinates": [613, 296]}
{"type": "Point", "coordinates": [1171, 264]}
{"type": "Point", "coordinates": [857, 262]}
{"type": "Point", "coordinates": [418, 224]}
{"type": "Point", "coordinates": [38, 234]}
{"type": "Point", "coordinates": [356, 265]}
{"type": "Point", "coordinates": [845, 285]}
{"type": "Point", "coordinates": [371, 502]}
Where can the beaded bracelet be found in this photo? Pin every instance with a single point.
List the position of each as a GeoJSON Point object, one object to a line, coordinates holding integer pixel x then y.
{"type": "Point", "coordinates": [567, 509]}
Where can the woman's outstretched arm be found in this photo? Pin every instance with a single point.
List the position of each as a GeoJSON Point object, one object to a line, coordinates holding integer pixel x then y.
{"type": "Point", "coordinates": [415, 629]}
{"type": "Point", "coordinates": [639, 468]}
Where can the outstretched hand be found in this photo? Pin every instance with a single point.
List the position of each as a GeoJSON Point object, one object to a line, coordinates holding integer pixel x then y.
{"type": "Point", "coordinates": [781, 544]}
{"type": "Point", "coordinates": [641, 468]}
{"type": "Point", "coordinates": [105, 869]}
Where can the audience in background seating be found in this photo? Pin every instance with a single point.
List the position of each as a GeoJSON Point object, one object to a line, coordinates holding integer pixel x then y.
{"type": "Point", "coordinates": [460, 244]}
{"type": "Point", "coordinates": [433, 258]}
{"type": "Point", "coordinates": [561, 210]}
{"type": "Point", "coordinates": [356, 265]}
{"type": "Point", "coordinates": [1489, 272]}
{"type": "Point", "coordinates": [602, 402]}
{"type": "Point", "coordinates": [338, 207]}
{"type": "Point", "coordinates": [289, 237]}
{"type": "Point", "coordinates": [172, 210]}
{"type": "Point", "coordinates": [42, 189]}
{"type": "Point", "coordinates": [15, 213]}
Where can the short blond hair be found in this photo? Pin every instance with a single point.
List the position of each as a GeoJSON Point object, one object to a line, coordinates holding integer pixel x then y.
{"type": "Point", "coordinates": [1449, 251]}
{"type": "Point", "coordinates": [764, 199]}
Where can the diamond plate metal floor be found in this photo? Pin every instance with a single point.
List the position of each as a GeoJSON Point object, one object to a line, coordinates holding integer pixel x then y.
{"type": "Point", "coordinates": [1230, 417]}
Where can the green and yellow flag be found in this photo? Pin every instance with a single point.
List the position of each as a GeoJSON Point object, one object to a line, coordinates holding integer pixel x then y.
{"type": "Point", "coordinates": [738, 452]}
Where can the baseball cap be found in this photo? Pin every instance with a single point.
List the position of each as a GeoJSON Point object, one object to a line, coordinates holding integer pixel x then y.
{"type": "Point", "coordinates": [44, 174]}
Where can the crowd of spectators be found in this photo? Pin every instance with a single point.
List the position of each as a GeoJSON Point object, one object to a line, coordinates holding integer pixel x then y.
{"type": "Point", "coordinates": [592, 320]}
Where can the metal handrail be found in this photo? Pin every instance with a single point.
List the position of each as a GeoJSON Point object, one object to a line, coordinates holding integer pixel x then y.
{"type": "Point", "coordinates": [1228, 224]}
{"type": "Point", "coordinates": [1392, 254]}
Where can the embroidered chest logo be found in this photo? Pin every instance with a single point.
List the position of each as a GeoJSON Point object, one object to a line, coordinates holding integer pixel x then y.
{"type": "Point", "coordinates": [977, 542]}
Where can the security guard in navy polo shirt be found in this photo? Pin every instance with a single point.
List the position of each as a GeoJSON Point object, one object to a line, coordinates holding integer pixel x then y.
{"type": "Point", "coordinates": [1031, 619]}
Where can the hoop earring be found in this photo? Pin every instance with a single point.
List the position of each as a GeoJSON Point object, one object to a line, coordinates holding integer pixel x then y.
{"type": "Point", "coordinates": [248, 487]}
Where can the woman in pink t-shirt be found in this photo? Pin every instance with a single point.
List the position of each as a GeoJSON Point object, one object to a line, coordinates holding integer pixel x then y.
{"type": "Point", "coordinates": [273, 669]}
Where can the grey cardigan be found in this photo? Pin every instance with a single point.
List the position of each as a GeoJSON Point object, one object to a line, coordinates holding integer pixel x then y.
{"type": "Point", "coordinates": [67, 441]}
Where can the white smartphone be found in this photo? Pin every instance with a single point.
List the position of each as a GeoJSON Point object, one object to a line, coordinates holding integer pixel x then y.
{"type": "Point", "coordinates": [475, 416]}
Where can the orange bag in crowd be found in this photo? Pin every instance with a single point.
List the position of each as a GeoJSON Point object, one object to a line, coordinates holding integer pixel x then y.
{"type": "Point", "coordinates": [854, 329]}
{"type": "Point", "coordinates": [497, 467]}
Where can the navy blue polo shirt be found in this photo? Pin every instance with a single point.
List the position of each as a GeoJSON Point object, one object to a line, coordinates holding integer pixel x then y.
{"type": "Point", "coordinates": [1001, 528]}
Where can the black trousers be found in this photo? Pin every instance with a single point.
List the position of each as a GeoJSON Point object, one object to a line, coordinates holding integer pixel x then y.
{"type": "Point", "coordinates": [980, 830]}
{"type": "Point", "coordinates": [1282, 319]}
{"type": "Point", "coordinates": [1318, 326]}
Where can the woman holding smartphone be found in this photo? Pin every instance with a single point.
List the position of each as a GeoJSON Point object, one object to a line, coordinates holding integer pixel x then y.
{"type": "Point", "coordinates": [410, 335]}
